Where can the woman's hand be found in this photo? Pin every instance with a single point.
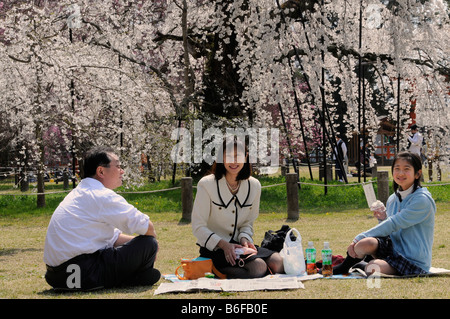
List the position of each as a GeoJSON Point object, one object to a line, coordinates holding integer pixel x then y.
{"type": "Point", "coordinates": [228, 250]}
{"type": "Point", "coordinates": [246, 243]}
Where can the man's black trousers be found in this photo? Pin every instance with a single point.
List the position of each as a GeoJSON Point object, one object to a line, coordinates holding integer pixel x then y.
{"type": "Point", "coordinates": [128, 265]}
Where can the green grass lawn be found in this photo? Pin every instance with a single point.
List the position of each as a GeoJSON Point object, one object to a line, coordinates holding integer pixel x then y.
{"type": "Point", "coordinates": [336, 217]}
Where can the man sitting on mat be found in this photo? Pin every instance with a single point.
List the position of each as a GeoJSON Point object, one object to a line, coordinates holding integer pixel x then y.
{"type": "Point", "coordinates": [85, 248]}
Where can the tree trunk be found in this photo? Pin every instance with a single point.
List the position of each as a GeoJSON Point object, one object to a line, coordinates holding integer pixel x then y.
{"type": "Point", "coordinates": [40, 189]}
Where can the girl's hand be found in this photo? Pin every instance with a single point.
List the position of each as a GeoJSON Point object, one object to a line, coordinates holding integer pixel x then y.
{"type": "Point", "coordinates": [379, 210]}
{"type": "Point", "coordinates": [228, 250]}
{"type": "Point", "coordinates": [380, 214]}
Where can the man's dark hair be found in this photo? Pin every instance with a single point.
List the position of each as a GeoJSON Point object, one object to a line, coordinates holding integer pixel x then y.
{"type": "Point", "coordinates": [95, 157]}
{"type": "Point", "coordinates": [414, 127]}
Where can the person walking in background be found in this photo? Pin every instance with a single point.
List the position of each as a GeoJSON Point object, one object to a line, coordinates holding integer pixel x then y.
{"type": "Point", "coordinates": [415, 141]}
{"type": "Point", "coordinates": [341, 151]}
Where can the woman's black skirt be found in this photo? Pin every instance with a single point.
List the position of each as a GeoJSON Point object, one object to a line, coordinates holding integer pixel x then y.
{"type": "Point", "coordinates": [219, 261]}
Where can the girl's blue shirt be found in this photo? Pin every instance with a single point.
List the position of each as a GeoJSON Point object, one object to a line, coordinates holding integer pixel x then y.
{"type": "Point", "coordinates": [410, 224]}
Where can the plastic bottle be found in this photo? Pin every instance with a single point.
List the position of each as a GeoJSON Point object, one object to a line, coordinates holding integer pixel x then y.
{"type": "Point", "coordinates": [327, 266]}
{"type": "Point", "coordinates": [311, 259]}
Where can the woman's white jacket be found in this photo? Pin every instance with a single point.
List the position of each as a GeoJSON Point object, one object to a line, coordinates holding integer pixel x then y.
{"type": "Point", "coordinates": [218, 214]}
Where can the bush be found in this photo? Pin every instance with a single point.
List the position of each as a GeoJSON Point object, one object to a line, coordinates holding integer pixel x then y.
{"type": "Point", "coordinates": [273, 199]}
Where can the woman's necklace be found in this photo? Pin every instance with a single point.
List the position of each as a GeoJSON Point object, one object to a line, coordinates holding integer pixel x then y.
{"type": "Point", "coordinates": [233, 190]}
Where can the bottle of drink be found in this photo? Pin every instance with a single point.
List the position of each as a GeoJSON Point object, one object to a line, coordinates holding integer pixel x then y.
{"type": "Point", "coordinates": [310, 259]}
{"type": "Point", "coordinates": [327, 266]}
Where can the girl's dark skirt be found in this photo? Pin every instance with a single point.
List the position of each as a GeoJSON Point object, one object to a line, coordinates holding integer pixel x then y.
{"type": "Point", "coordinates": [386, 251]}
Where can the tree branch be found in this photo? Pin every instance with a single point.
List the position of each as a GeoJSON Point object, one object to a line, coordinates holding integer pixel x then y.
{"type": "Point", "coordinates": [20, 60]}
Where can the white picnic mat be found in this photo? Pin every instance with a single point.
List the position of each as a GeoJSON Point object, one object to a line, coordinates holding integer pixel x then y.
{"type": "Point", "coordinates": [432, 272]}
{"type": "Point", "coordinates": [270, 282]}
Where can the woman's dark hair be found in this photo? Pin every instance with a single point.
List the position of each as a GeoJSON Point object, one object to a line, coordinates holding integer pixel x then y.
{"type": "Point", "coordinates": [95, 157]}
{"type": "Point", "coordinates": [412, 159]}
{"type": "Point", "coordinates": [218, 168]}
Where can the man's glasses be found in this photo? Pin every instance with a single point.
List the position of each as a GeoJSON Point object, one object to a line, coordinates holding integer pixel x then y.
{"type": "Point", "coordinates": [118, 166]}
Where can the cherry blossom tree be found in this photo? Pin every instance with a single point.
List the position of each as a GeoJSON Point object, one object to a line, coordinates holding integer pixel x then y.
{"type": "Point", "coordinates": [249, 50]}
{"type": "Point", "coordinates": [135, 70]}
{"type": "Point", "coordinates": [51, 76]}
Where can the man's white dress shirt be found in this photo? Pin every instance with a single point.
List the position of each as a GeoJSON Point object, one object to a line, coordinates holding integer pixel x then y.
{"type": "Point", "coordinates": [90, 218]}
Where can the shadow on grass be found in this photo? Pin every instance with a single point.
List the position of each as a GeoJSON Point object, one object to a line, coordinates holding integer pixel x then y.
{"type": "Point", "coordinates": [13, 251]}
{"type": "Point", "coordinates": [184, 221]}
{"type": "Point", "coordinates": [51, 292]}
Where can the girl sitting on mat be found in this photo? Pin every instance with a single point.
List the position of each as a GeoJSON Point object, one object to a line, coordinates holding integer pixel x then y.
{"type": "Point", "coordinates": [401, 243]}
{"type": "Point", "coordinates": [225, 207]}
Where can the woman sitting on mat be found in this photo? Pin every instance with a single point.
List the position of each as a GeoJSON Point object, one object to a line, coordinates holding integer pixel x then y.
{"type": "Point", "coordinates": [401, 243]}
{"type": "Point", "coordinates": [225, 207]}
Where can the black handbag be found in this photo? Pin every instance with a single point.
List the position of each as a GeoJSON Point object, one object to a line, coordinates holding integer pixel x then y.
{"type": "Point", "coordinates": [274, 240]}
